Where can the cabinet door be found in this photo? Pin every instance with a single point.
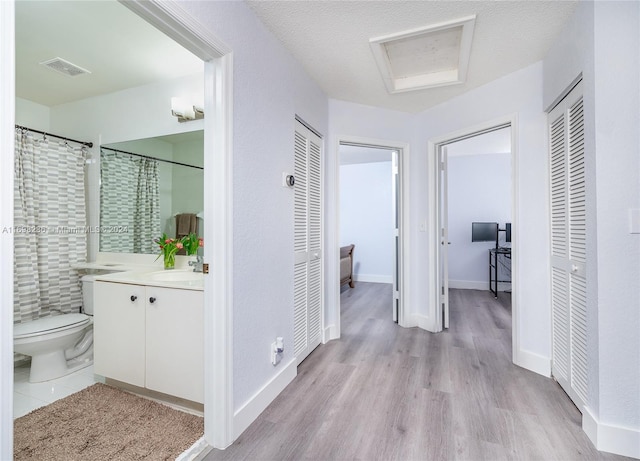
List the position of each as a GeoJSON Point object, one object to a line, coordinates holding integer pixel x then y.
{"type": "Point", "coordinates": [119, 331]}
{"type": "Point", "coordinates": [175, 343]}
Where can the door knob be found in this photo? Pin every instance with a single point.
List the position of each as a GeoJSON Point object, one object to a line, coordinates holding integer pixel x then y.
{"type": "Point", "coordinates": [152, 300]}
{"type": "Point", "coordinates": [133, 298]}
{"type": "Point", "coordinates": [574, 268]}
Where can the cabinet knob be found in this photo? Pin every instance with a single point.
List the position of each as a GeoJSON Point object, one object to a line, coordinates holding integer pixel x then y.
{"type": "Point", "coordinates": [133, 298]}
{"type": "Point", "coordinates": [152, 300]}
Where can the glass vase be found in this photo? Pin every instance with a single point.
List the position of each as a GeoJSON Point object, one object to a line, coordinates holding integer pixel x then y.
{"type": "Point", "coordinates": [169, 261]}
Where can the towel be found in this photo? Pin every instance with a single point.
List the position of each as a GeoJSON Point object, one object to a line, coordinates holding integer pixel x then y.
{"type": "Point", "coordinates": [186, 223]}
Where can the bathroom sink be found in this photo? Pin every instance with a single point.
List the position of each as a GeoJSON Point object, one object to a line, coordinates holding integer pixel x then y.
{"type": "Point", "coordinates": [175, 276]}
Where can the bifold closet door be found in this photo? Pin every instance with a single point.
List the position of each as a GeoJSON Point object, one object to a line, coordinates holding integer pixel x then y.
{"type": "Point", "coordinates": [568, 246]}
{"type": "Point", "coordinates": [307, 243]}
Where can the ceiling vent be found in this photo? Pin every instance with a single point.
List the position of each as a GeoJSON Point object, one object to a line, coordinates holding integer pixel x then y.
{"type": "Point", "coordinates": [427, 57]}
{"type": "Point", "coordinates": [64, 67]}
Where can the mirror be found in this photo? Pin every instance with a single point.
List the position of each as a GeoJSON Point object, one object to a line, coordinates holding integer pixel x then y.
{"type": "Point", "coordinates": [149, 187]}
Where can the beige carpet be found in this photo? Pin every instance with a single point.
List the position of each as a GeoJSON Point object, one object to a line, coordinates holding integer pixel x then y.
{"type": "Point", "coordinates": [105, 423]}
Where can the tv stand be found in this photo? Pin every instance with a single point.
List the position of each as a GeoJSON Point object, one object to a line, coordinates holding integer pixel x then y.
{"type": "Point", "coordinates": [499, 257]}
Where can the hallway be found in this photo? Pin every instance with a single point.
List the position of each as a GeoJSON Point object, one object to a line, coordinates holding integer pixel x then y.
{"type": "Point", "coordinates": [383, 392]}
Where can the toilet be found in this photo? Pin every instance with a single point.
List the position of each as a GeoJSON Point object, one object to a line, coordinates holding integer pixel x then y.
{"type": "Point", "coordinates": [60, 344]}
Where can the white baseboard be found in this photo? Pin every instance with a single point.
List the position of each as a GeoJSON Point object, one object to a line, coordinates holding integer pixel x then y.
{"type": "Point", "coordinates": [248, 413]}
{"type": "Point", "coordinates": [330, 333]}
{"type": "Point", "coordinates": [196, 451]}
{"type": "Point", "coordinates": [619, 440]}
{"type": "Point", "coordinates": [418, 320]}
{"type": "Point", "coordinates": [533, 362]}
{"type": "Point", "coordinates": [372, 278]}
{"type": "Point", "coordinates": [470, 285]}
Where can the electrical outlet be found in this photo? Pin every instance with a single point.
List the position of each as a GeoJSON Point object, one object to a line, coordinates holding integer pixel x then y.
{"type": "Point", "coordinates": [277, 349]}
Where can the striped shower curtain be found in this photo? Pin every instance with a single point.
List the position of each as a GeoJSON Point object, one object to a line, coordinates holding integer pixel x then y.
{"type": "Point", "coordinates": [129, 199]}
{"type": "Point", "coordinates": [49, 226]}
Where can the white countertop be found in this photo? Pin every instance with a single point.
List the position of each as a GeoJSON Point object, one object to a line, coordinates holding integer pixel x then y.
{"type": "Point", "coordinates": [180, 279]}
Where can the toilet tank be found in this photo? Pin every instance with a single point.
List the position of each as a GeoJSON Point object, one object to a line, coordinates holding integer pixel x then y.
{"type": "Point", "coordinates": [87, 289]}
{"type": "Point", "coordinates": [87, 293]}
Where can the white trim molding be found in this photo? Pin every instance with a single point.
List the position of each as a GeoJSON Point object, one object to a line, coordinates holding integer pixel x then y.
{"type": "Point", "coordinates": [619, 440]}
{"type": "Point", "coordinates": [373, 278]}
{"type": "Point", "coordinates": [195, 451]}
{"type": "Point", "coordinates": [520, 358]}
{"type": "Point", "coordinates": [533, 362]}
{"type": "Point", "coordinates": [181, 26]}
{"type": "Point", "coordinates": [252, 408]}
{"type": "Point", "coordinates": [333, 261]}
{"type": "Point", "coordinates": [7, 137]}
{"type": "Point", "coordinates": [329, 333]}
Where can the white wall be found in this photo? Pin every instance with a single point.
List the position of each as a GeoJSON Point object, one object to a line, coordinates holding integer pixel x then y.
{"type": "Point", "coordinates": [135, 113]}
{"type": "Point", "coordinates": [32, 115]}
{"type": "Point", "coordinates": [479, 191]}
{"type": "Point", "coordinates": [519, 94]}
{"type": "Point", "coordinates": [617, 100]}
{"type": "Point", "coordinates": [601, 41]}
{"type": "Point", "coordinates": [366, 219]}
{"type": "Point", "coordinates": [353, 120]}
{"type": "Point", "coordinates": [270, 88]}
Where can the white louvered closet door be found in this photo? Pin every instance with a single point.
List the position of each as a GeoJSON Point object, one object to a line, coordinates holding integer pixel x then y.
{"type": "Point", "coordinates": [568, 246]}
{"type": "Point", "coordinates": [307, 271]}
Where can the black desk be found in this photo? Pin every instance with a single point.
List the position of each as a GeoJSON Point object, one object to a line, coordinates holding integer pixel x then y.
{"type": "Point", "coordinates": [499, 258]}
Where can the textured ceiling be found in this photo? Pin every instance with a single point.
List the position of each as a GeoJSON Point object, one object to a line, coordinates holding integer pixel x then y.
{"type": "Point", "coordinates": [119, 48]}
{"type": "Point", "coordinates": [331, 40]}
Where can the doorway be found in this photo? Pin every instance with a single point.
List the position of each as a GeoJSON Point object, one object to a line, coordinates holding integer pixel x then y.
{"type": "Point", "coordinates": [171, 20]}
{"type": "Point", "coordinates": [439, 226]}
{"type": "Point", "coordinates": [371, 171]}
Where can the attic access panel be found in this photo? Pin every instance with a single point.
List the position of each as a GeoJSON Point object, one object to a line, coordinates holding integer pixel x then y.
{"type": "Point", "coordinates": [427, 57]}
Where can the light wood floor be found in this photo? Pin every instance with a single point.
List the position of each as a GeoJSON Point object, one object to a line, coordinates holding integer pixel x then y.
{"type": "Point", "coordinates": [383, 392]}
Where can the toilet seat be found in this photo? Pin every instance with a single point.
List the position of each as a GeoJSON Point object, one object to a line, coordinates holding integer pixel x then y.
{"type": "Point", "coordinates": [51, 324]}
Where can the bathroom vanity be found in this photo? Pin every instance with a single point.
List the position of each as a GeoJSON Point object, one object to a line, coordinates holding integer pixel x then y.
{"type": "Point", "coordinates": [149, 331]}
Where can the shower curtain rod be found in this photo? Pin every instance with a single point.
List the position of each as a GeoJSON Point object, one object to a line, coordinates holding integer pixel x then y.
{"type": "Point", "coordinates": [84, 143]}
{"type": "Point", "coordinates": [151, 158]}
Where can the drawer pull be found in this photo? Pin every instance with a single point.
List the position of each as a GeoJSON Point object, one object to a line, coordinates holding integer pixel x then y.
{"type": "Point", "coordinates": [133, 298]}
{"type": "Point", "coordinates": [152, 300]}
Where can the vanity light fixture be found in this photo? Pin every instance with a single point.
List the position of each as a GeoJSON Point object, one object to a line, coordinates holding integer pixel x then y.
{"type": "Point", "coordinates": [185, 110]}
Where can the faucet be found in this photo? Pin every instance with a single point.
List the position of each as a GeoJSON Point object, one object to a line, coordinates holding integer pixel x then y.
{"type": "Point", "coordinates": [197, 264]}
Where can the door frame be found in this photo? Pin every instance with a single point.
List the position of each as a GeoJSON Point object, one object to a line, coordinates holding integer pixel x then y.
{"type": "Point", "coordinates": [434, 148]}
{"type": "Point", "coordinates": [174, 21]}
{"type": "Point", "coordinates": [403, 177]}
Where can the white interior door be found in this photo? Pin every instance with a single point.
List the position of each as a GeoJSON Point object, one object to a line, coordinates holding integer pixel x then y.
{"type": "Point", "coordinates": [444, 238]}
{"type": "Point", "coordinates": [568, 246]}
{"type": "Point", "coordinates": [307, 242]}
{"type": "Point", "coordinates": [395, 190]}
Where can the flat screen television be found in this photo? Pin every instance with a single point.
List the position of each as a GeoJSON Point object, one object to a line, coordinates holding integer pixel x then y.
{"type": "Point", "coordinates": [508, 231]}
{"type": "Point", "coordinates": [484, 232]}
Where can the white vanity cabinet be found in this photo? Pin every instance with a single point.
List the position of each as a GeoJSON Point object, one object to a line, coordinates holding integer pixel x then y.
{"type": "Point", "coordinates": [175, 343]}
{"type": "Point", "coordinates": [150, 337]}
{"type": "Point", "coordinates": [119, 331]}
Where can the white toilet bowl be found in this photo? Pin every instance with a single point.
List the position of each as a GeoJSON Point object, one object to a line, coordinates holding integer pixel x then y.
{"type": "Point", "coordinates": [54, 344]}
